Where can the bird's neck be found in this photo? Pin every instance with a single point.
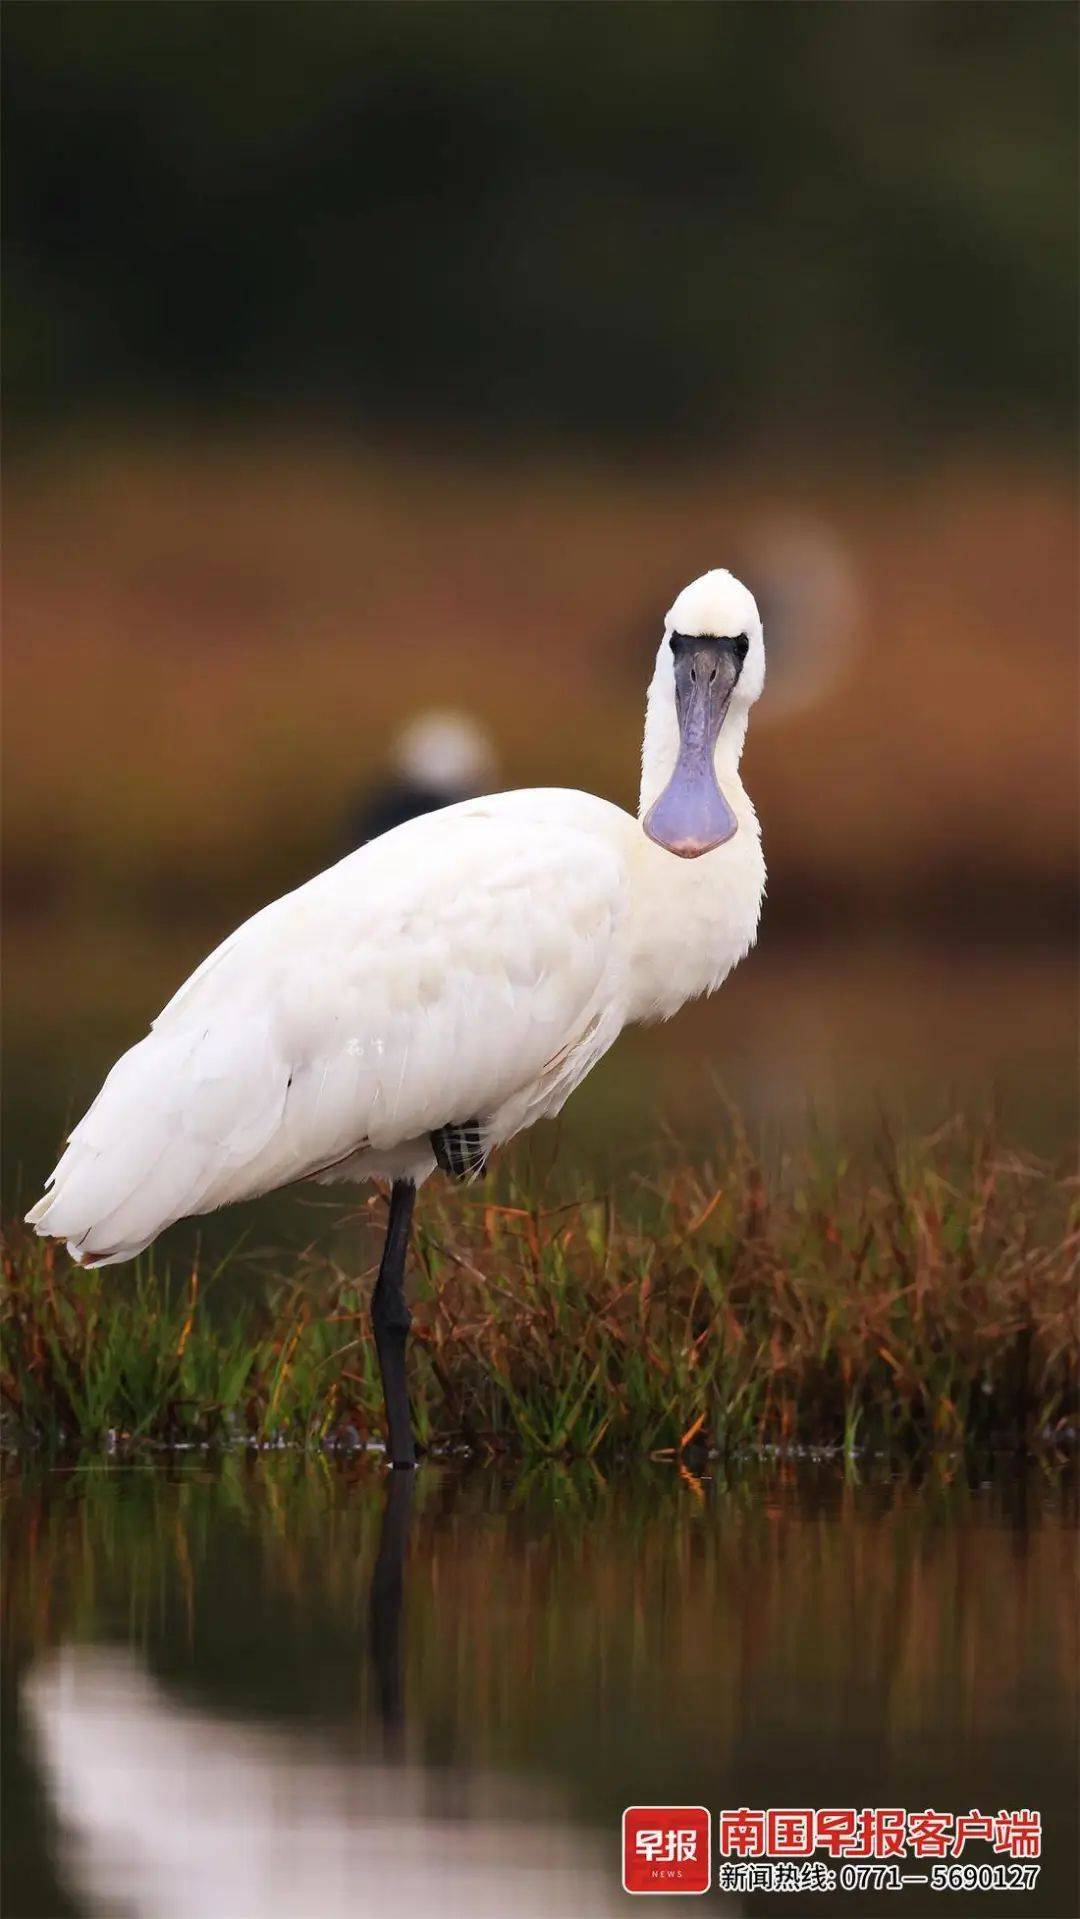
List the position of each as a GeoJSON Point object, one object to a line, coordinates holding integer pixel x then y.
{"type": "Point", "coordinates": [695, 918]}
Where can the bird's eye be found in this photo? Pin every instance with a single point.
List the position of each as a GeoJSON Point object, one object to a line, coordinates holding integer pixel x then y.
{"type": "Point", "coordinates": [742, 646]}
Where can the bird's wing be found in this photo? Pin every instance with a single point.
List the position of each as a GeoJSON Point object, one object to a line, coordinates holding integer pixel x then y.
{"type": "Point", "coordinates": [426, 979]}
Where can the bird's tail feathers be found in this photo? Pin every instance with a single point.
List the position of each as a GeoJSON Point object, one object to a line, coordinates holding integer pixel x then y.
{"type": "Point", "coordinates": [169, 1130]}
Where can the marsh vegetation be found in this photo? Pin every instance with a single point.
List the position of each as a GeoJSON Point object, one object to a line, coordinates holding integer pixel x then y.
{"type": "Point", "coordinates": [925, 1298]}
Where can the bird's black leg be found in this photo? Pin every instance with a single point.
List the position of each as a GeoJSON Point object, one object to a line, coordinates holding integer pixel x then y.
{"type": "Point", "coordinates": [391, 1319]}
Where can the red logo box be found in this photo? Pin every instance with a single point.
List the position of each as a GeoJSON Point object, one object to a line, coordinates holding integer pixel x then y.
{"type": "Point", "coordinates": [666, 1849]}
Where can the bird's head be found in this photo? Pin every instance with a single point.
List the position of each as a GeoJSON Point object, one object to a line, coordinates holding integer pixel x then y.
{"type": "Point", "coordinates": [709, 671]}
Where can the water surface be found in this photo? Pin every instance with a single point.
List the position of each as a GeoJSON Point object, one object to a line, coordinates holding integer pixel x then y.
{"type": "Point", "coordinates": [273, 1687]}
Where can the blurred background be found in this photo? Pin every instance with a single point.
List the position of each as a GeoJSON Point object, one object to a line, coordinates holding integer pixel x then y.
{"type": "Point", "coordinates": [368, 360]}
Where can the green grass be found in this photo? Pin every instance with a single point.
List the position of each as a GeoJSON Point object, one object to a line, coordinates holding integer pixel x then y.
{"type": "Point", "coordinates": [929, 1301]}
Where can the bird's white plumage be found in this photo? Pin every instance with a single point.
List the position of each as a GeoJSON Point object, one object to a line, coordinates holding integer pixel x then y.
{"type": "Point", "coordinates": [450, 969]}
{"type": "Point", "coordinates": [471, 964]}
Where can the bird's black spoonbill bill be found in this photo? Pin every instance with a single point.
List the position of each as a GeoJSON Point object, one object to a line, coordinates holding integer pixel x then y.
{"type": "Point", "coordinates": [440, 989]}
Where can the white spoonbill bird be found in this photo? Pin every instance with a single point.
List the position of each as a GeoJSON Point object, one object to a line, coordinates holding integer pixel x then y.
{"type": "Point", "coordinates": [441, 988]}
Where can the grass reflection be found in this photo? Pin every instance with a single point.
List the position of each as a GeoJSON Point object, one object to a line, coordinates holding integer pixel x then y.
{"type": "Point", "coordinates": [775, 1633]}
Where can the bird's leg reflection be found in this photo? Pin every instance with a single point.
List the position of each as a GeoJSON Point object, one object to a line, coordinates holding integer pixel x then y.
{"type": "Point", "coordinates": [385, 1606]}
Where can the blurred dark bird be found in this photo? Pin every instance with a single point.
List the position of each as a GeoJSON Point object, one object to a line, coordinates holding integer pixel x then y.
{"type": "Point", "coordinates": [438, 759]}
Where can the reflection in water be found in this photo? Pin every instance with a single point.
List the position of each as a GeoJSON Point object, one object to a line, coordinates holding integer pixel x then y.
{"type": "Point", "coordinates": [171, 1814]}
{"type": "Point", "coordinates": [230, 1700]}
{"type": "Point", "coordinates": [174, 1814]}
{"type": "Point", "coordinates": [386, 1594]}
